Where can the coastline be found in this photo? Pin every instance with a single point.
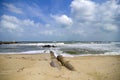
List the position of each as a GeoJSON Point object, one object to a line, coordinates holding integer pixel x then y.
{"type": "Point", "coordinates": [37, 67]}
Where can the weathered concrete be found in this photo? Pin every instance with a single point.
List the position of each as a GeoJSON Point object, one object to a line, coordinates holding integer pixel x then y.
{"type": "Point", "coordinates": [54, 62]}
{"type": "Point", "coordinates": [65, 63]}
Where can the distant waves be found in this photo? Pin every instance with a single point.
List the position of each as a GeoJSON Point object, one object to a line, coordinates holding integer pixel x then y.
{"type": "Point", "coordinates": [63, 48]}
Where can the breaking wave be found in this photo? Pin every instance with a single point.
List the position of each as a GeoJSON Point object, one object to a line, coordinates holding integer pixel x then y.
{"type": "Point", "coordinates": [65, 49]}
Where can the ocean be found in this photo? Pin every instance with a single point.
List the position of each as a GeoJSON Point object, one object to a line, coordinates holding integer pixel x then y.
{"type": "Point", "coordinates": [65, 48]}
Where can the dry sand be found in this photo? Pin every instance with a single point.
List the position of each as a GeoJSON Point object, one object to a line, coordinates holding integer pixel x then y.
{"type": "Point", "coordinates": [37, 67]}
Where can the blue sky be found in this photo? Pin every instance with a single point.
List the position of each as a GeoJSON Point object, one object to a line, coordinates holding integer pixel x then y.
{"type": "Point", "coordinates": [59, 20]}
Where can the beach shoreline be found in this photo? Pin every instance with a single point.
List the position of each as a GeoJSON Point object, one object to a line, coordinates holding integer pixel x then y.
{"type": "Point", "coordinates": [37, 67]}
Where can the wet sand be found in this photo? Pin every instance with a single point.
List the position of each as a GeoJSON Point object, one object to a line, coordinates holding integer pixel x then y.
{"type": "Point", "coordinates": [37, 67]}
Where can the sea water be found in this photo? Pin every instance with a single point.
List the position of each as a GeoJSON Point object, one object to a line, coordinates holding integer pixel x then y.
{"type": "Point", "coordinates": [71, 48]}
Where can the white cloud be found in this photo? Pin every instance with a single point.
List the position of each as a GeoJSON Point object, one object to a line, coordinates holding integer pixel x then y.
{"type": "Point", "coordinates": [87, 19]}
{"type": "Point", "coordinates": [110, 27]}
{"type": "Point", "coordinates": [51, 32]}
{"type": "Point", "coordinates": [10, 23]}
{"type": "Point", "coordinates": [47, 32]}
{"type": "Point", "coordinates": [13, 8]}
{"type": "Point", "coordinates": [35, 11]}
{"type": "Point", "coordinates": [80, 32]}
{"type": "Point", "coordinates": [13, 24]}
{"type": "Point", "coordinates": [87, 14]}
{"type": "Point", "coordinates": [83, 9]}
{"type": "Point", "coordinates": [108, 11]}
{"type": "Point", "coordinates": [63, 19]}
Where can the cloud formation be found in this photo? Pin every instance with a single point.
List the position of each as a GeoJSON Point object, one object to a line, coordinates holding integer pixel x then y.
{"type": "Point", "coordinates": [14, 25]}
{"type": "Point", "coordinates": [13, 8]}
{"type": "Point", "coordinates": [63, 19]}
{"type": "Point", "coordinates": [87, 20]}
{"type": "Point", "coordinates": [83, 10]}
{"type": "Point", "coordinates": [89, 13]}
{"type": "Point", "coordinates": [10, 24]}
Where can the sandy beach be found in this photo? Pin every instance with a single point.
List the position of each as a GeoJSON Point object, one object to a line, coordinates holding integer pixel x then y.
{"type": "Point", "coordinates": [37, 67]}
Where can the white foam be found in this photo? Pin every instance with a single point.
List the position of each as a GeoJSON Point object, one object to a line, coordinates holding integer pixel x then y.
{"type": "Point", "coordinates": [37, 44]}
{"type": "Point", "coordinates": [67, 55]}
{"type": "Point", "coordinates": [58, 52]}
{"type": "Point", "coordinates": [94, 46]}
{"type": "Point", "coordinates": [111, 47]}
{"type": "Point", "coordinates": [112, 53]}
{"type": "Point", "coordinates": [28, 52]}
{"type": "Point", "coordinates": [33, 52]}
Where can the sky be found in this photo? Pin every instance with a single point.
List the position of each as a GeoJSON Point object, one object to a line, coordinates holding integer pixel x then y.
{"type": "Point", "coordinates": [59, 20]}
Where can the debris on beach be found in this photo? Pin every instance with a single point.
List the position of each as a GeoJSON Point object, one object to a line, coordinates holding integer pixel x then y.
{"type": "Point", "coordinates": [60, 61]}
{"type": "Point", "coordinates": [65, 63]}
{"type": "Point", "coordinates": [54, 62]}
